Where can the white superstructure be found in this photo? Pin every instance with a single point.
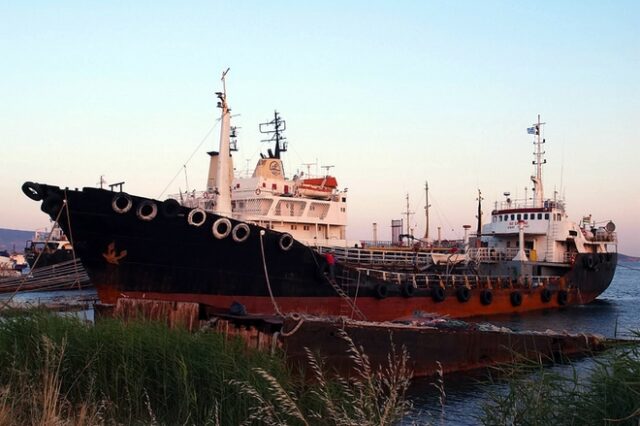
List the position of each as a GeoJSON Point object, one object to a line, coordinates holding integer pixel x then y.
{"type": "Point", "coordinates": [312, 209]}
{"type": "Point", "coordinates": [542, 224]}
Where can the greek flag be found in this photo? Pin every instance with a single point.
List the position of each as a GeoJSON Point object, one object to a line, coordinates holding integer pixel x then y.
{"type": "Point", "coordinates": [532, 131]}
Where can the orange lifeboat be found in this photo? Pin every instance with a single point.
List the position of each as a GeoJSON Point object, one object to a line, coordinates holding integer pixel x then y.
{"type": "Point", "coordinates": [319, 188]}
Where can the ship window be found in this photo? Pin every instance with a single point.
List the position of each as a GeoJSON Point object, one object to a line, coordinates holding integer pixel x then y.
{"type": "Point", "coordinates": [526, 216]}
{"type": "Point", "coordinates": [286, 189]}
{"type": "Point", "coordinates": [344, 199]}
{"type": "Point", "coordinates": [274, 186]}
{"type": "Point", "coordinates": [294, 227]}
{"type": "Point", "coordinates": [264, 184]}
{"type": "Point", "coordinates": [506, 217]}
{"type": "Point", "coordinates": [343, 209]}
{"type": "Point", "coordinates": [519, 216]}
{"type": "Point", "coordinates": [513, 216]}
{"type": "Point", "coordinates": [546, 216]}
{"type": "Point", "coordinates": [305, 227]}
{"type": "Point", "coordinates": [540, 216]}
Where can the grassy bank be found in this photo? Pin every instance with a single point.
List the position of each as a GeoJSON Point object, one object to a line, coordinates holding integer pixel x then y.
{"type": "Point", "coordinates": [56, 370]}
{"type": "Point", "coordinates": [605, 392]}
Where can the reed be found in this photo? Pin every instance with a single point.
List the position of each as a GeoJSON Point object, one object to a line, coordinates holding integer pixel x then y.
{"type": "Point", "coordinates": [370, 397]}
{"type": "Point", "coordinates": [62, 371]}
{"type": "Point", "coordinates": [56, 370]}
{"type": "Point", "coordinates": [606, 392]}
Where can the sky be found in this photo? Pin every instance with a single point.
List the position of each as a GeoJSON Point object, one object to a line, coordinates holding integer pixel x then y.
{"type": "Point", "coordinates": [392, 94]}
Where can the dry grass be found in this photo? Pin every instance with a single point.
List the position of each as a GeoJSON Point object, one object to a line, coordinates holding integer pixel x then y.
{"type": "Point", "coordinates": [368, 398]}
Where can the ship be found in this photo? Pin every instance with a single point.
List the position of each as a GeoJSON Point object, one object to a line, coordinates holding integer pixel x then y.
{"type": "Point", "coordinates": [258, 245]}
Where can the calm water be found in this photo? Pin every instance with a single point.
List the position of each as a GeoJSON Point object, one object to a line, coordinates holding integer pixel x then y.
{"type": "Point", "coordinates": [615, 313]}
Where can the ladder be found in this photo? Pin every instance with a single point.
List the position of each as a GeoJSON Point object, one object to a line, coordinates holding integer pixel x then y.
{"type": "Point", "coordinates": [350, 303]}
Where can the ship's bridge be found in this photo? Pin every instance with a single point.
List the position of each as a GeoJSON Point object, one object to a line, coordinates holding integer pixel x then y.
{"type": "Point", "coordinates": [536, 219]}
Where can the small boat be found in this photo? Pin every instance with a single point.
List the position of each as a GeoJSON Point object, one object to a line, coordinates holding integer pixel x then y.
{"type": "Point", "coordinates": [257, 244]}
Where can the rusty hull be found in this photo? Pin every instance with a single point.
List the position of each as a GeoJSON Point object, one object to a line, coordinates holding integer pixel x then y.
{"type": "Point", "coordinates": [455, 348]}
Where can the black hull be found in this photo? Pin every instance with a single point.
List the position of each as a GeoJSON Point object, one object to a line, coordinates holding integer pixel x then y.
{"type": "Point", "coordinates": [128, 254]}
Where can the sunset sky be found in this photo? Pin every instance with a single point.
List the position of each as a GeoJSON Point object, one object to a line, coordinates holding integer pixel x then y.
{"type": "Point", "coordinates": [391, 94]}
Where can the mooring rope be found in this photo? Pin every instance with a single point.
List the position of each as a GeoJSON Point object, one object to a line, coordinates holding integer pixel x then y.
{"type": "Point", "coordinates": [266, 276]}
{"type": "Point", "coordinates": [73, 250]}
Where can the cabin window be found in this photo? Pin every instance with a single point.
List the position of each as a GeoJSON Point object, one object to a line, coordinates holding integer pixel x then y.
{"type": "Point", "coordinates": [506, 217]}
{"type": "Point", "coordinates": [294, 227]}
{"type": "Point", "coordinates": [526, 216]}
{"type": "Point", "coordinates": [513, 217]}
{"type": "Point", "coordinates": [518, 216]}
{"type": "Point", "coordinates": [500, 218]}
{"type": "Point", "coordinates": [286, 189]}
{"type": "Point", "coordinates": [342, 209]}
{"type": "Point", "coordinates": [540, 216]}
{"type": "Point", "coordinates": [274, 186]}
{"type": "Point", "coordinates": [264, 184]}
{"type": "Point", "coordinates": [546, 216]}
{"type": "Point", "coordinates": [344, 199]}
{"type": "Point", "coordinates": [305, 227]}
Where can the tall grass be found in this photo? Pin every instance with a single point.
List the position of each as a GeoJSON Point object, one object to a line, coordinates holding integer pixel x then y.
{"type": "Point", "coordinates": [605, 393]}
{"type": "Point", "coordinates": [367, 398]}
{"type": "Point", "coordinates": [60, 371]}
{"type": "Point", "coordinates": [135, 373]}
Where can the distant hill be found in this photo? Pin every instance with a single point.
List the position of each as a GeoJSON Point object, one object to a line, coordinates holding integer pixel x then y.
{"type": "Point", "coordinates": [625, 258]}
{"type": "Point", "coordinates": [11, 239]}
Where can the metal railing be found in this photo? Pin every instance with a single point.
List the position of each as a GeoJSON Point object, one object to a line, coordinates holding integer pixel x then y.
{"type": "Point", "coordinates": [420, 280]}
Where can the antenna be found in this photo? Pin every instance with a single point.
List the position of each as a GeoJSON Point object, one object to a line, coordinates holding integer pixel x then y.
{"type": "Point", "coordinates": [327, 168]}
{"type": "Point", "coordinates": [275, 127]}
{"type": "Point", "coordinates": [309, 167]}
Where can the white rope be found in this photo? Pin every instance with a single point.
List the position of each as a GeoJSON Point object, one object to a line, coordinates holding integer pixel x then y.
{"type": "Point", "coordinates": [73, 250]}
{"type": "Point", "coordinates": [294, 329]}
{"type": "Point", "coordinates": [266, 276]}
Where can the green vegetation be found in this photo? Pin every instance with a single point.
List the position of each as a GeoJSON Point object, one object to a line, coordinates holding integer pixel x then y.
{"type": "Point", "coordinates": [605, 393]}
{"type": "Point", "coordinates": [57, 370]}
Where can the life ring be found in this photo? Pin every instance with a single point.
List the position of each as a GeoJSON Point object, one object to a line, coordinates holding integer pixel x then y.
{"type": "Point", "coordinates": [562, 297]}
{"type": "Point", "coordinates": [285, 242]}
{"type": "Point", "coordinates": [147, 210]}
{"type": "Point", "coordinates": [121, 203]}
{"type": "Point", "coordinates": [197, 217]}
{"type": "Point", "coordinates": [382, 291]}
{"type": "Point", "coordinates": [516, 298]}
{"type": "Point", "coordinates": [463, 294]}
{"type": "Point", "coordinates": [258, 191]}
{"type": "Point", "coordinates": [33, 190]}
{"type": "Point", "coordinates": [407, 289]}
{"type": "Point", "coordinates": [170, 208]}
{"type": "Point", "coordinates": [545, 295]}
{"type": "Point", "coordinates": [486, 297]}
{"type": "Point", "coordinates": [437, 293]}
{"type": "Point", "coordinates": [221, 228]}
{"type": "Point", "coordinates": [52, 205]}
{"type": "Point", "coordinates": [240, 232]}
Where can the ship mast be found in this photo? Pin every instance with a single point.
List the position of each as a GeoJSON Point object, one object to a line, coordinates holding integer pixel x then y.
{"type": "Point", "coordinates": [538, 196]}
{"type": "Point", "coordinates": [426, 210]}
{"type": "Point", "coordinates": [223, 176]}
{"type": "Point", "coordinates": [408, 213]}
{"type": "Point", "coordinates": [479, 217]}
